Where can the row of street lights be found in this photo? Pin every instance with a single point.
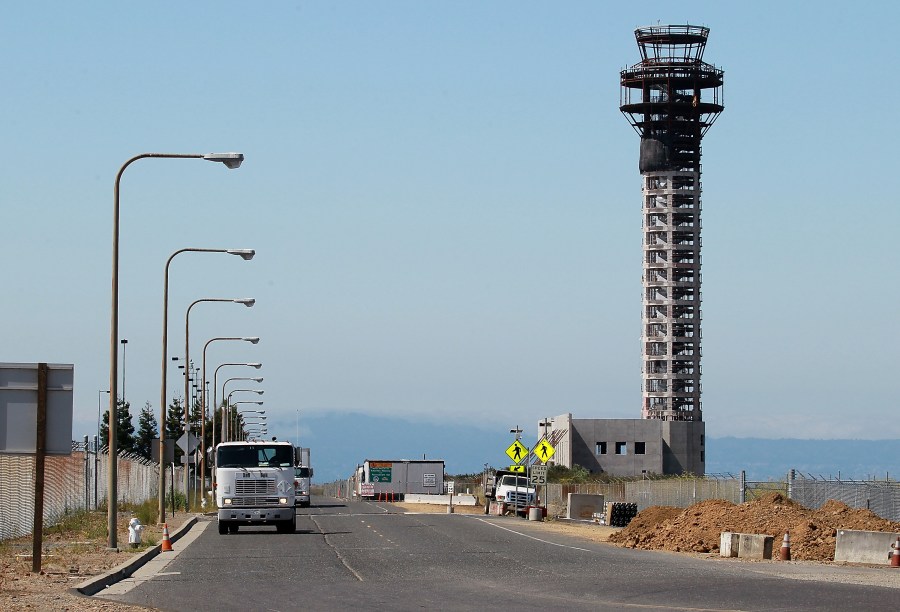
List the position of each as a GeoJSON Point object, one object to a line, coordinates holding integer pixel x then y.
{"type": "Point", "coordinates": [231, 161]}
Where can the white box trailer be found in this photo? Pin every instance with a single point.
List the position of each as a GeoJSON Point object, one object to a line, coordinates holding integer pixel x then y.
{"type": "Point", "coordinates": [392, 479]}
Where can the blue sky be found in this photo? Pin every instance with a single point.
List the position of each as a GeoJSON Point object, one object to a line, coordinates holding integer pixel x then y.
{"type": "Point", "coordinates": [445, 204]}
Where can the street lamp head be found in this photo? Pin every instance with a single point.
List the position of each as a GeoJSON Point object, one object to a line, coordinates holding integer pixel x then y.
{"type": "Point", "coordinates": [245, 254]}
{"type": "Point", "coordinates": [231, 160]}
{"type": "Point", "coordinates": [255, 365]}
{"type": "Point", "coordinates": [248, 302]}
{"type": "Point", "coordinates": [251, 339]}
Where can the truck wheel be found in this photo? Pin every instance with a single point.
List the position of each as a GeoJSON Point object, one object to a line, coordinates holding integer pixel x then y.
{"type": "Point", "coordinates": [233, 528]}
{"type": "Point", "coordinates": [223, 528]}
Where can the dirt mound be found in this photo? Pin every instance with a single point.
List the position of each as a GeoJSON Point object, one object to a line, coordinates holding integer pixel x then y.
{"type": "Point", "coordinates": [698, 528]}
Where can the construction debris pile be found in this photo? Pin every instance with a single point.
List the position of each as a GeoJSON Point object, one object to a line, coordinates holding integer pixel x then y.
{"type": "Point", "coordinates": [698, 528]}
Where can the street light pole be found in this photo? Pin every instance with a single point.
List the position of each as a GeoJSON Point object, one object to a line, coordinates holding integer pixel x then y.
{"type": "Point", "coordinates": [215, 400]}
{"type": "Point", "coordinates": [238, 413]}
{"type": "Point", "coordinates": [248, 302]}
{"type": "Point", "coordinates": [246, 255]}
{"type": "Point", "coordinates": [205, 401]}
{"type": "Point", "coordinates": [231, 160]}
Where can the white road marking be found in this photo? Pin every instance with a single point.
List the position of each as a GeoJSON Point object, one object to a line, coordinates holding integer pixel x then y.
{"type": "Point", "coordinates": [525, 535]}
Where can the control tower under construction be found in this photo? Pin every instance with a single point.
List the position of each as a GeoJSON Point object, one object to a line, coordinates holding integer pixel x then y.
{"type": "Point", "coordinates": [671, 98]}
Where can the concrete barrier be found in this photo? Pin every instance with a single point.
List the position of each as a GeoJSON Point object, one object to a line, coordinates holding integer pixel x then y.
{"type": "Point", "coordinates": [442, 500]}
{"type": "Point", "coordinates": [853, 546]}
{"type": "Point", "coordinates": [745, 545]}
{"type": "Point", "coordinates": [584, 506]}
{"type": "Point", "coordinates": [728, 544]}
{"type": "Point", "coordinates": [754, 546]}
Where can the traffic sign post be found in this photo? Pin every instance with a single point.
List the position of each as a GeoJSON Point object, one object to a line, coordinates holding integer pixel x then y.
{"type": "Point", "coordinates": [543, 451]}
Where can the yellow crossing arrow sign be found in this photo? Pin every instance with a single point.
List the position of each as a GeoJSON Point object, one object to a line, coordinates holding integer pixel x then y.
{"type": "Point", "coordinates": [544, 451]}
{"type": "Point", "coordinates": [517, 452]}
{"type": "Point", "coordinates": [517, 468]}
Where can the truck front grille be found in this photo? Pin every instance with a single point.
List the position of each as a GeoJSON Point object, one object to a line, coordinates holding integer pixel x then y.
{"type": "Point", "coordinates": [523, 498]}
{"type": "Point", "coordinates": [254, 487]}
{"type": "Point", "coordinates": [254, 502]}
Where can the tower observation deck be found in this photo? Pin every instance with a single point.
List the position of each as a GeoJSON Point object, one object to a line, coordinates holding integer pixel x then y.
{"type": "Point", "coordinates": [671, 98]}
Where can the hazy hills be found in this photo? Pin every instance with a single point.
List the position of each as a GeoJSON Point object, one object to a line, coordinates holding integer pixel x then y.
{"type": "Point", "coordinates": [342, 440]}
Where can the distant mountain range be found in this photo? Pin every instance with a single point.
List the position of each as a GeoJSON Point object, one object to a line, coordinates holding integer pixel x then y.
{"type": "Point", "coordinates": [765, 459]}
{"type": "Point", "coordinates": [341, 441]}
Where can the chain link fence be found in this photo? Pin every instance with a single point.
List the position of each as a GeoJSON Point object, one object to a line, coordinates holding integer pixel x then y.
{"type": "Point", "coordinates": [75, 482]}
{"type": "Point", "coordinates": [882, 497]}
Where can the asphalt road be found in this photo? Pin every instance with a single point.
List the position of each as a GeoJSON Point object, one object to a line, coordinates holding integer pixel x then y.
{"type": "Point", "coordinates": [367, 556]}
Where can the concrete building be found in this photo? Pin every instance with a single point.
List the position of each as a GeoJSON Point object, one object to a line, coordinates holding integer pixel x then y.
{"type": "Point", "coordinates": [670, 98]}
{"type": "Point", "coordinates": [627, 447]}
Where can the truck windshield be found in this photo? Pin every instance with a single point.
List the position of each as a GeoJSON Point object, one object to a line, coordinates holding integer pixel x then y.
{"type": "Point", "coordinates": [510, 481]}
{"type": "Point", "coordinates": [254, 455]}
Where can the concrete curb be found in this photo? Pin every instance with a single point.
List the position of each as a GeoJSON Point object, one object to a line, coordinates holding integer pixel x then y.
{"type": "Point", "coordinates": [97, 583]}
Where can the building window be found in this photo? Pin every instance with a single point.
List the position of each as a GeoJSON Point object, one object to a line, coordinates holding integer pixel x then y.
{"type": "Point", "coordinates": [620, 448]}
{"type": "Point", "coordinates": [702, 439]}
{"type": "Point", "coordinates": [601, 448]}
{"type": "Point", "coordinates": [702, 456]}
{"type": "Point", "coordinates": [640, 448]}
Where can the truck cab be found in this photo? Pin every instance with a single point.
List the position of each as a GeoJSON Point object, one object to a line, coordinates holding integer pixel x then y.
{"type": "Point", "coordinates": [255, 485]}
{"type": "Point", "coordinates": [511, 489]}
{"type": "Point", "coordinates": [302, 477]}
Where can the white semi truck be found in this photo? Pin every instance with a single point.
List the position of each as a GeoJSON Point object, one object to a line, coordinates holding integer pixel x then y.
{"type": "Point", "coordinates": [255, 485]}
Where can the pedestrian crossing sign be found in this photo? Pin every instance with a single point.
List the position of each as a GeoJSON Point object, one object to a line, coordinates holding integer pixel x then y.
{"type": "Point", "coordinates": [517, 452]}
{"type": "Point", "coordinates": [544, 451]}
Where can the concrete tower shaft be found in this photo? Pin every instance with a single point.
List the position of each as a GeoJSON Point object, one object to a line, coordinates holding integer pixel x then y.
{"type": "Point", "coordinates": [671, 98]}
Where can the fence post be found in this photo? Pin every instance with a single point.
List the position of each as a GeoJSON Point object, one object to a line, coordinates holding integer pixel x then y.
{"type": "Point", "coordinates": [743, 497]}
{"type": "Point", "coordinates": [87, 476]}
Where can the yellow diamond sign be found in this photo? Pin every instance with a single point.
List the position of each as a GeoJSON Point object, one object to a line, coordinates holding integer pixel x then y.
{"type": "Point", "coordinates": [544, 451]}
{"type": "Point", "coordinates": [517, 452]}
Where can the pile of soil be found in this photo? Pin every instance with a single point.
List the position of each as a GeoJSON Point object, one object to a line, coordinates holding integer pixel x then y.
{"type": "Point", "coordinates": [699, 527]}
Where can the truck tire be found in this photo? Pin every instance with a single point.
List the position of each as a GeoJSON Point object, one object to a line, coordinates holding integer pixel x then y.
{"type": "Point", "coordinates": [223, 527]}
{"type": "Point", "coordinates": [233, 528]}
{"type": "Point", "coordinates": [288, 526]}
{"type": "Point", "coordinates": [487, 506]}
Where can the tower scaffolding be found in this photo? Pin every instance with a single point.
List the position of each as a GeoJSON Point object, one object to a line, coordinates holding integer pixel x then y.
{"type": "Point", "coordinates": [671, 98]}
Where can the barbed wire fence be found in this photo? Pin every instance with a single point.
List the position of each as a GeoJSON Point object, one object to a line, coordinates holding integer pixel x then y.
{"type": "Point", "coordinates": [72, 483]}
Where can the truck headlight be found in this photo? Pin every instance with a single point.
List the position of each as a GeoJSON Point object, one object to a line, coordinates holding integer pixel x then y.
{"type": "Point", "coordinates": [226, 501]}
{"type": "Point", "coordinates": [282, 500]}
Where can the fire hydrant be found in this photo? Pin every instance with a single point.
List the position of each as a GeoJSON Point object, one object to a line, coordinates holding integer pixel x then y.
{"type": "Point", "coordinates": [134, 532]}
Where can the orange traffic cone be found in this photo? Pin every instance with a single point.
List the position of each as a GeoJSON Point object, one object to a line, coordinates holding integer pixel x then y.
{"type": "Point", "coordinates": [785, 553]}
{"type": "Point", "coordinates": [166, 543]}
{"type": "Point", "coordinates": [895, 557]}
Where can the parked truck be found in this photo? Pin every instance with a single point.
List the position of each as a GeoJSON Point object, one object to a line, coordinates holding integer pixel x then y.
{"type": "Point", "coordinates": [303, 473]}
{"type": "Point", "coordinates": [509, 488]}
{"type": "Point", "coordinates": [392, 479]}
{"type": "Point", "coordinates": [255, 485]}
